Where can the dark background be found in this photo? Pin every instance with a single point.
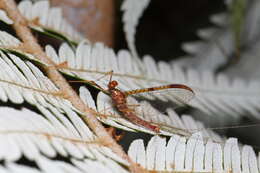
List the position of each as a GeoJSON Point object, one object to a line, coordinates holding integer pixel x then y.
{"type": "Point", "coordinates": [166, 24]}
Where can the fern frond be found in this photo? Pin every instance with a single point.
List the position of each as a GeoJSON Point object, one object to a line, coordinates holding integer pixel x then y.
{"type": "Point", "coordinates": [21, 80]}
{"type": "Point", "coordinates": [61, 131]}
{"type": "Point", "coordinates": [132, 11]}
{"type": "Point", "coordinates": [193, 155]}
{"type": "Point", "coordinates": [45, 165]}
{"type": "Point", "coordinates": [218, 46]}
{"type": "Point", "coordinates": [49, 135]}
{"type": "Point", "coordinates": [13, 167]}
{"type": "Point", "coordinates": [48, 165]}
{"type": "Point", "coordinates": [213, 50]}
{"type": "Point", "coordinates": [220, 19]}
{"type": "Point", "coordinates": [248, 65]}
{"type": "Point", "coordinates": [95, 166]}
{"type": "Point", "coordinates": [46, 19]}
{"type": "Point", "coordinates": [211, 53]}
{"type": "Point", "coordinates": [8, 40]}
{"type": "Point", "coordinates": [212, 94]}
{"type": "Point", "coordinates": [85, 64]}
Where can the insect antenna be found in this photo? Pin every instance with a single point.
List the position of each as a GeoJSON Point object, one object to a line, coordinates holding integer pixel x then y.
{"type": "Point", "coordinates": [91, 82]}
{"type": "Point", "coordinates": [111, 74]}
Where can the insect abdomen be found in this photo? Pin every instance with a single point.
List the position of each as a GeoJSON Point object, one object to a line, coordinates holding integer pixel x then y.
{"type": "Point", "coordinates": [129, 114]}
{"type": "Point", "coordinates": [119, 100]}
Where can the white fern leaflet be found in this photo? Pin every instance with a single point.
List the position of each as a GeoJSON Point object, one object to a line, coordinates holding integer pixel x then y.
{"type": "Point", "coordinates": [193, 155]}
{"type": "Point", "coordinates": [46, 19]}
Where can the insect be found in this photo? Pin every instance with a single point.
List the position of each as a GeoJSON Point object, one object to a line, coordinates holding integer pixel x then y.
{"type": "Point", "coordinates": [120, 102]}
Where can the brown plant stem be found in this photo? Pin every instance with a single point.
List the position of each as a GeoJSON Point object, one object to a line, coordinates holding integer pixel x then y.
{"type": "Point", "coordinates": [22, 30]}
{"type": "Point", "coordinates": [95, 18]}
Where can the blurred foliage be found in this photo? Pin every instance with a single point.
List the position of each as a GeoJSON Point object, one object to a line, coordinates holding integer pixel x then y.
{"type": "Point", "coordinates": [237, 16]}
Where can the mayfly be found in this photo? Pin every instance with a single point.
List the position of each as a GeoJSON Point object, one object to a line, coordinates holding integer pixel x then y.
{"type": "Point", "coordinates": [120, 102]}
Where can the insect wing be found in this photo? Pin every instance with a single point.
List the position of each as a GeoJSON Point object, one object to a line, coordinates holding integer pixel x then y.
{"type": "Point", "coordinates": [178, 93]}
{"type": "Point", "coordinates": [181, 95]}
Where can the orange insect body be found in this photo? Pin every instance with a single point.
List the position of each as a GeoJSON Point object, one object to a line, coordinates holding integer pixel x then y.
{"type": "Point", "coordinates": [119, 100]}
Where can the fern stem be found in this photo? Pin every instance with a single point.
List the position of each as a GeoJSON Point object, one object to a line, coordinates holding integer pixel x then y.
{"type": "Point", "coordinates": [30, 43]}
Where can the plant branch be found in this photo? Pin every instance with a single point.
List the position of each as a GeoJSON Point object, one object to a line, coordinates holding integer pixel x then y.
{"type": "Point", "coordinates": [30, 43]}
